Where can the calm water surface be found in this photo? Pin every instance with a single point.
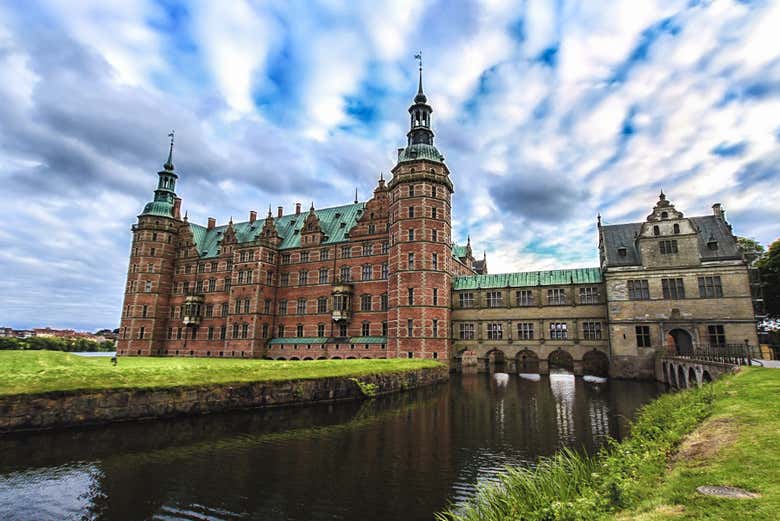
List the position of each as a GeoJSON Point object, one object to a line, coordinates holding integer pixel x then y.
{"type": "Point", "coordinates": [400, 457]}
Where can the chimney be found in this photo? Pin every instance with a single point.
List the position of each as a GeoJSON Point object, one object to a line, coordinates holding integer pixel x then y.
{"type": "Point", "coordinates": [177, 208]}
{"type": "Point", "coordinates": [212, 223]}
{"type": "Point", "coordinates": [252, 217]}
{"type": "Point", "coordinates": [717, 211]}
{"type": "Point", "coordinates": [297, 208]}
{"type": "Point", "coordinates": [279, 211]}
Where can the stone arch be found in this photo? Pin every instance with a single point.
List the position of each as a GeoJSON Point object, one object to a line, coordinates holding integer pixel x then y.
{"type": "Point", "coordinates": [495, 360]}
{"type": "Point", "coordinates": [308, 358]}
{"type": "Point", "coordinates": [351, 358]}
{"type": "Point", "coordinates": [680, 341]}
{"type": "Point", "coordinates": [692, 380]}
{"type": "Point", "coordinates": [322, 358]}
{"type": "Point", "coordinates": [681, 377]}
{"type": "Point", "coordinates": [561, 359]}
{"type": "Point", "coordinates": [527, 361]}
{"type": "Point", "coordinates": [281, 358]}
{"type": "Point", "coordinates": [705, 377]}
{"type": "Point", "coordinates": [295, 358]}
{"type": "Point", "coordinates": [336, 358]}
{"type": "Point", "coordinates": [366, 357]}
{"type": "Point", "coordinates": [267, 358]}
{"type": "Point", "coordinates": [595, 363]}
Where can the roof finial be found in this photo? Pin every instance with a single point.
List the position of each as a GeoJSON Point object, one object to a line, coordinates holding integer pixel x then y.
{"type": "Point", "coordinates": [169, 163]}
{"type": "Point", "coordinates": [186, 214]}
{"type": "Point", "coordinates": [468, 240]}
{"type": "Point", "coordinates": [381, 176]}
{"type": "Point", "coordinates": [598, 218]}
{"type": "Point", "coordinates": [662, 196]}
{"type": "Point", "coordinates": [420, 98]}
{"type": "Point", "coordinates": [356, 195]}
{"type": "Point", "coordinates": [269, 209]}
{"type": "Point", "coordinates": [311, 208]}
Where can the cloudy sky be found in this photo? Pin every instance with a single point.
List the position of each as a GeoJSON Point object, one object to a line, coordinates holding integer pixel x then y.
{"type": "Point", "coordinates": [547, 112]}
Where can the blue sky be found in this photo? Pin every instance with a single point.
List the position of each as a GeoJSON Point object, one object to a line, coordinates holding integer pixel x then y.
{"type": "Point", "coordinates": [548, 112]}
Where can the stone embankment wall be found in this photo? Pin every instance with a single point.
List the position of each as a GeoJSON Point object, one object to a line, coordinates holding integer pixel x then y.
{"type": "Point", "coordinates": [76, 408]}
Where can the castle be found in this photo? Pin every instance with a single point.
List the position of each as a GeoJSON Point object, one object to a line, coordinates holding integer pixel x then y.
{"type": "Point", "coordinates": [383, 279]}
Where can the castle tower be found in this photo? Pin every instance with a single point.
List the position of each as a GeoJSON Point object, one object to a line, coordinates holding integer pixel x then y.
{"type": "Point", "coordinates": [150, 274]}
{"type": "Point", "coordinates": [420, 250]}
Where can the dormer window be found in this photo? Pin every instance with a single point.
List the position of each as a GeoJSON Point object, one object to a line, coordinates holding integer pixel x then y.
{"type": "Point", "coordinates": [712, 244]}
{"type": "Point", "coordinates": [664, 215]}
{"type": "Point", "coordinates": [676, 228]}
{"type": "Point", "coordinates": [656, 230]}
{"type": "Point", "coordinates": [622, 251]}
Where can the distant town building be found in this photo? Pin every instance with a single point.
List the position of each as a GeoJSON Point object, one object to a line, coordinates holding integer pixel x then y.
{"type": "Point", "coordinates": [382, 278]}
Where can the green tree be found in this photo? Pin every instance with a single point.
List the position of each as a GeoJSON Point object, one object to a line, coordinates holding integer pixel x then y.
{"type": "Point", "coordinates": [769, 265]}
{"type": "Point", "coordinates": [751, 249]}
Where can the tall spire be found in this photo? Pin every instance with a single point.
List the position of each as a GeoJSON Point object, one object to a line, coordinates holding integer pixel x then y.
{"type": "Point", "coordinates": [420, 98]}
{"type": "Point", "coordinates": [356, 195]}
{"type": "Point", "coordinates": [169, 163]}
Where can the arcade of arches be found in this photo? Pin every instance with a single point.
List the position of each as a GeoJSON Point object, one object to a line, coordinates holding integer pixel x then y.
{"type": "Point", "coordinates": [523, 360]}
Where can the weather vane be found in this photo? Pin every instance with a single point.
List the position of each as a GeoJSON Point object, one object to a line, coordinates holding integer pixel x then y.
{"type": "Point", "coordinates": [171, 135]}
{"type": "Point", "coordinates": [418, 57]}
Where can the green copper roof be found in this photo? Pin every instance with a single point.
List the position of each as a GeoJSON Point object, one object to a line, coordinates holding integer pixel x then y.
{"type": "Point", "coordinates": [529, 278]}
{"type": "Point", "coordinates": [459, 251]}
{"type": "Point", "coordinates": [368, 340]}
{"type": "Point", "coordinates": [161, 208]}
{"type": "Point", "coordinates": [299, 340]}
{"type": "Point", "coordinates": [420, 151]}
{"type": "Point", "coordinates": [335, 223]}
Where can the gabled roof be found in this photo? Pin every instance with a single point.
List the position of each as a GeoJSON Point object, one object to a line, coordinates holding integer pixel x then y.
{"type": "Point", "coordinates": [529, 278]}
{"type": "Point", "coordinates": [335, 223]}
{"type": "Point", "coordinates": [459, 251]}
{"type": "Point", "coordinates": [708, 227]}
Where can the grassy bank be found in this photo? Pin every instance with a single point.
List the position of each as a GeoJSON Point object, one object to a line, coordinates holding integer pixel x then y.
{"type": "Point", "coordinates": [29, 372]}
{"type": "Point", "coordinates": [725, 433]}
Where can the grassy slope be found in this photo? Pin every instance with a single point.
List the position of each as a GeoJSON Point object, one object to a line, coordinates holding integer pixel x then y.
{"type": "Point", "coordinates": [26, 372]}
{"type": "Point", "coordinates": [645, 477]}
{"type": "Point", "coordinates": [739, 445]}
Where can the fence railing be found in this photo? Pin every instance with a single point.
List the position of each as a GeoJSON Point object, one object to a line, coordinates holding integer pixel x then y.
{"type": "Point", "coordinates": [739, 354]}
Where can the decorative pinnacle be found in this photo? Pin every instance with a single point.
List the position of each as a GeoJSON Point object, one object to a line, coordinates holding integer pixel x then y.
{"type": "Point", "coordinates": [356, 195]}
{"type": "Point", "coordinates": [269, 210]}
{"type": "Point", "coordinates": [169, 163]}
{"type": "Point", "coordinates": [420, 98]}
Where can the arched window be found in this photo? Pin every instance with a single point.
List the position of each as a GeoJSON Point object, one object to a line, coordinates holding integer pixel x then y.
{"type": "Point", "coordinates": [656, 230]}
{"type": "Point", "coordinates": [664, 215]}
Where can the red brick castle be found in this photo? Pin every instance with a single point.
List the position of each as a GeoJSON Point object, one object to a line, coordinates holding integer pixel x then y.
{"type": "Point", "coordinates": [364, 280]}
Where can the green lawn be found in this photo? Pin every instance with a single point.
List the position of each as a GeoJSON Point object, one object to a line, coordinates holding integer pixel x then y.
{"type": "Point", "coordinates": [739, 445]}
{"type": "Point", "coordinates": [27, 372]}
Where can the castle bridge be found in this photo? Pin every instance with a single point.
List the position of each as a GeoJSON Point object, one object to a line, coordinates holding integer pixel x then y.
{"type": "Point", "coordinates": [536, 358]}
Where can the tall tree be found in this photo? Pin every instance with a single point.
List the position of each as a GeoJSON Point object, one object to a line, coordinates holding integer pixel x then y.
{"type": "Point", "coordinates": [769, 264]}
{"type": "Point", "coordinates": [751, 249]}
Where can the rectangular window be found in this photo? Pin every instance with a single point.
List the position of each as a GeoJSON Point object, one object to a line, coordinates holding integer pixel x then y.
{"type": "Point", "coordinates": [269, 278]}
{"type": "Point", "coordinates": [409, 327]}
{"type": "Point", "coordinates": [222, 332]}
{"type": "Point", "coordinates": [411, 212]}
{"type": "Point", "coordinates": [209, 310]}
{"type": "Point", "coordinates": [227, 284]}
{"type": "Point", "coordinates": [384, 329]}
{"type": "Point", "coordinates": [304, 256]}
{"type": "Point", "coordinates": [410, 261]}
{"type": "Point", "coordinates": [367, 249]}
{"type": "Point", "coordinates": [559, 331]}
{"type": "Point", "coordinates": [246, 305]}
{"type": "Point", "coordinates": [365, 303]}
{"type": "Point", "coordinates": [384, 271]}
{"type": "Point", "coordinates": [303, 278]}
{"type": "Point", "coordinates": [324, 254]}
{"type": "Point", "coordinates": [346, 252]}
{"type": "Point", "coordinates": [591, 330]}
{"type": "Point", "coordinates": [710, 287]}
{"type": "Point", "coordinates": [224, 310]}
{"type": "Point", "coordinates": [237, 306]}
{"type": "Point", "coordinates": [673, 288]}
{"type": "Point", "coordinates": [299, 330]}
{"type": "Point", "coordinates": [323, 276]}
{"type": "Point", "coordinates": [265, 330]}
{"type": "Point", "coordinates": [365, 329]}
{"type": "Point", "coordinates": [367, 272]}
{"type": "Point", "coordinates": [286, 258]}
{"type": "Point", "coordinates": [212, 285]}
{"type": "Point", "coordinates": [411, 234]}
{"type": "Point", "coordinates": [411, 193]}
{"type": "Point", "coordinates": [281, 330]}
{"type": "Point", "coordinates": [467, 331]}
{"type": "Point", "coordinates": [235, 330]}
{"type": "Point", "coordinates": [320, 330]}
{"type": "Point", "coordinates": [589, 295]}
{"type": "Point", "coordinates": [178, 333]}
{"type": "Point", "coordinates": [345, 274]}
{"type": "Point", "coordinates": [668, 247]}
{"type": "Point", "coordinates": [524, 297]}
{"type": "Point", "coordinates": [383, 301]}
{"type": "Point", "coordinates": [144, 311]}
{"type": "Point", "coordinates": [495, 299]}
{"type": "Point", "coordinates": [525, 331]}
{"type": "Point", "coordinates": [466, 300]}
{"type": "Point", "coordinates": [322, 305]}
{"type": "Point", "coordinates": [301, 306]}
{"type": "Point", "coordinates": [282, 307]}
{"type": "Point", "coordinates": [148, 286]}
{"type": "Point", "coordinates": [495, 331]}
{"type": "Point", "coordinates": [285, 280]}
{"type": "Point", "coordinates": [435, 296]}
{"type": "Point", "coordinates": [434, 261]}
{"type": "Point", "coordinates": [210, 334]}
{"type": "Point", "coordinates": [342, 329]}
{"type": "Point", "coordinates": [267, 306]}
{"type": "Point", "coordinates": [435, 328]}
{"type": "Point", "coordinates": [410, 295]}
{"type": "Point", "coordinates": [643, 336]}
{"type": "Point", "coordinates": [638, 290]}
{"type": "Point", "coordinates": [434, 235]}
{"type": "Point", "coordinates": [556, 296]}
{"type": "Point", "coordinates": [385, 247]}
{"type": "Point", "coordinates": [717, 335]}
{"type": "Point", "coordinates": [141, 333]}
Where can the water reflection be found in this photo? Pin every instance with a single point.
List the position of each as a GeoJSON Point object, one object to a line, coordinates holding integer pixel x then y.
{"type": "Point", "coordinates": [396, 457]}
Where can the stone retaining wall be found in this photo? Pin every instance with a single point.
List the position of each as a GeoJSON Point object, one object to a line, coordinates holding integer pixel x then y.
{"type": "Point", "coordinates": [73, 408]}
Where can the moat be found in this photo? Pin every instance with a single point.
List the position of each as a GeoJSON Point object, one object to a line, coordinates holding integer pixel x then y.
{"type": "Point", "coordinates": [398, 457]}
